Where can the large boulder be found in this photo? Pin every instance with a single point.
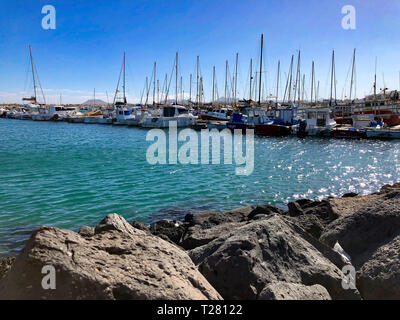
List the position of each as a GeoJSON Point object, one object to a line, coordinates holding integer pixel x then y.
{"type": "Point", "coordinates": [203, 227]}
{"type": "Point", "coordinates": [209, 219]}
{"type": "Point", "coordinates": [240, 264]}
{"type": "Point", "coordinates": [114, 222]}
{"type": "Point", "coordinates": [379, 277]}
{"type": "Point", "coordinates": [118, 262]}
{"type": "Point", "coordinates": [198, 235]}
{"type": "Point", "coordinates": [168, 230]}
{"type": "Point", "coordinates": [280, 290]}
{"type": "Point", "coordinates": [366, 223]}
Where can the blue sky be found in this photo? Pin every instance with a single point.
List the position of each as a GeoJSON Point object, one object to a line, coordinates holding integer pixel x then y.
{"type": "Point", "coordinates": [85, 51]}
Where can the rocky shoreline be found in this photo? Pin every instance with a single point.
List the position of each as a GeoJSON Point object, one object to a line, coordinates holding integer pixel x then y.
{"type": "Point", "coordinates": [261, 253]}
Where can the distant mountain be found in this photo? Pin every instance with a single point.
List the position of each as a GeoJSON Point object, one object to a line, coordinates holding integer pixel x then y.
{"type": "Point", "coordinates": [97, 101]}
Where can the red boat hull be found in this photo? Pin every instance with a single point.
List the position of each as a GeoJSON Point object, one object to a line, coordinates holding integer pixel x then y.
{"type": "Point", "coordinates": [272, 130]}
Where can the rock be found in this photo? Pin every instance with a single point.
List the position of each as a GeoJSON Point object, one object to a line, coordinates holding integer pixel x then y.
{"type": "Point", "coordinates": [197, 235]}
{"type": "Point", "coordinates": [280, 290]}
{"type": "Point", "coordinates": [366, 223]}
{"type": "Point", "coordinates": [379, 277]}
{"type": "Point", "coordinates": [114, 222]}
{"type": "Point", "coordinates": [5, 265]}
{"type": "Point", "coordinates": [173, 230]}
{"type": "Point", "coordinates": [243, 262]}
{"type": "Point", "coordinates": [310, 223]}
{"type": "Point", "coordinates": [140, 226]}
{"type": "Point", "coordinates": [240, 214]}
{"type": "Point", "coordinates": [264, 211]}
{"type": "Point", "coordinates": [295, 209]}
{"type": "Point", "coordinates": [109, 265]}
{"type": "Point", "coordinates": [210, 218]}
{"type": "Point", "coordinates": [85, 231]}
{"type": "Point", "coordinates": [350, 195]}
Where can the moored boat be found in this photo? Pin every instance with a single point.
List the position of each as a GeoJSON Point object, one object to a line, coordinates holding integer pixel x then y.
{"type": "Point", "coordinates": [179, 114]}
{"type": "Point", "coordinates": [316, 122]}
{"type": "Point", "coordinates": [280, 125]}
{"type": "Point", "coordinates": [382, 133]}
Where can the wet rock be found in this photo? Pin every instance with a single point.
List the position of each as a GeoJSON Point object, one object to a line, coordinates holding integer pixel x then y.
{"type": "Point", "coordinates": [379, 277]}
{"type": "Point", "coordinates": [197, 235]}
{"type": "Point", "coordinates": [173, 230]}
{"type": "Point", "coordinates": [209, 219]}
{"type": "Point", "coordinates": [114, 222]}
{"type": "Point", "coordinates": [311, 224]}
{"type": "Point", "coordinates": [265, 251]}
{"type": "Point", "coordinates": [350, 195]}
{"type": "Point", "coordinates": [5, 265]}
{"type": "Point", "coordinates": [264, 211]}
{"type": "Point", "coordinates": [113, 264]}
{"type": "Point", "coordinates": [280, 290]}
{"type": "Point", "coordinates": [140, 226]}
{"type": "Point", "coordinates": [85, 231]}
{"type": "Point", "coordinates": [295, 209]}
{"type": "Point", "coordinates": [366, 223]}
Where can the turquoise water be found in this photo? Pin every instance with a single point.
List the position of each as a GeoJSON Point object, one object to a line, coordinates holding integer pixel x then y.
{"type": "Point", "coordinates": [69, 175]}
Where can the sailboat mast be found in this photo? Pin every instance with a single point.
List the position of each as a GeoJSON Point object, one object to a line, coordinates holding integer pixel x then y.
{"type": "Point", "coordinates": [290, 80]}
{"type": "Point", "coordinates": [332, 79]}
{"type": "Point", "coordinates": [190, 89]}
{"type": "Point", "coordinates": [176, 79]}
{"type": "Point", "coordinates": [312, 81]}
{"type": "Point", "coordinates": [213, 86]}
{"type": "Point", "coordinates": [352, 73]}
{"type": "Point", "coordinates": [33, 73]}
{"type": "Point", "coordinates": [251, 76]}
{"type": "Point", "coordinates": [198, 82]}
{"type": "Point", "coordinates": [236, 73]}
{"type": "Point", "coordinates": [154, 83]}
{"type": "Point", "coordinates": [277, 82]}
{"type": "Point", "coordinates": [124, 81]}
{"type": "Point", "coordinates": [158, 91]}
{"type": "Point", "coordinates": [261, 58]}
{"type": "Point", "coordinates": [226, 81]}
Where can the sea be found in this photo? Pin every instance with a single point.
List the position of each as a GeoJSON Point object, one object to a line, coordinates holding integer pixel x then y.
{"type": "Point", "coordinates": [69, 175]}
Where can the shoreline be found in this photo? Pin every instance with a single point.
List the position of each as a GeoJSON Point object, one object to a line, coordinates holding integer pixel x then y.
{"type": "Point", "coordinates": [294, 254]}
{"type": "Point", "coordinates": [178, 214]}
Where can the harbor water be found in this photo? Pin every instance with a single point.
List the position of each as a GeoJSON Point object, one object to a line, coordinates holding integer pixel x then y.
{"type": "Point", "coordinates": [69, 175]}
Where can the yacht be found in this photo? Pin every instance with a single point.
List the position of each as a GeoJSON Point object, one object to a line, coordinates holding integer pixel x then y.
{"type": "Point", "coordinates": [281, 124]}
{"type": "Point", "coordinates": [316, 122]}
{"type": "Point", "coordinates": [177, 113]}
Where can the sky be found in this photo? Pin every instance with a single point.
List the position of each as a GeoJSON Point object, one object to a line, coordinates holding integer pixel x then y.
{"type": "Point", "coordinates": [84, 52]}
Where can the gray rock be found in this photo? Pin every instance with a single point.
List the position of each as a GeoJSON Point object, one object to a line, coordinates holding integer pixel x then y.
{"type": "Point", "coordinates": [114, 222]}
{"type": "Point", "coordinates": [85, 231]}
{"type": "Point", "coordinates": [280, 290]}
{"type": "Point", "coordinates": [173, 230]}
{"type": "Point", "coordinates": [295, 209]}
{"type": "Point", "coordinates": [5, 265]}
{"type": "Point", "coordinates": [209, 219]}
{"type": "Point", "coordinates": [264, 211]}
{"type": "Point", "coordinates": [197, 235]}
{"type": "Point", "coordinates": [241, 263]}
{"type": "Point", "coordinates": [366, 223]}
{"type": "Point", "coordinates": [140, 226]}
{"type": "Point", "coordinates": [109, 265]}
{"type": "Point", "coordinates": [379, 277]}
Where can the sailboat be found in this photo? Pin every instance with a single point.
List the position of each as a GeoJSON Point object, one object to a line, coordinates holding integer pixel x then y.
{"type": "Point", "coordinates": [33, 110]}
{"type": "Point", "coordinates": [170, 113]}
{"type": "Point", "coordinates": [125, 115]}
{"type": "Point", "coordinates": [281, 120]}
